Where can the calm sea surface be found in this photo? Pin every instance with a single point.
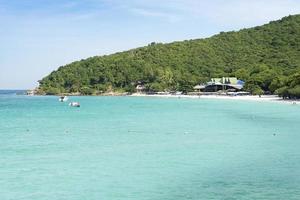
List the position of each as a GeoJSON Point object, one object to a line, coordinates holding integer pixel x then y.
{"type": "Point", "coordinates": [135, 148]}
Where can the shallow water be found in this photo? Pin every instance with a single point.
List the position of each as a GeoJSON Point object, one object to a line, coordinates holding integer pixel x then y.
{"type": "Point", "coordinates": [141, 148]}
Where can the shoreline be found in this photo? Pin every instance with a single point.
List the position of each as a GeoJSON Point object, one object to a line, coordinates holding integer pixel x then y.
{"type": "Point", "coordinates": [263, 98]}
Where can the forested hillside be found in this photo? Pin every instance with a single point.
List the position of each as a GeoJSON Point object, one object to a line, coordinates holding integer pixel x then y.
{"type": "Point", "coordinates": [267, 57]}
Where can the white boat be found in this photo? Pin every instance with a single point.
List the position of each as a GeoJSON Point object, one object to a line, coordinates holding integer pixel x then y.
{"type": "Point", "coordinates": [74, 104]}
{"type": "Point", "coordinates": [63, 99]}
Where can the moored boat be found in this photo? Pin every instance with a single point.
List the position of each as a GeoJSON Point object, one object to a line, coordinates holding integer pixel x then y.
{"type": "Point", "coordinates": [63, 98]}
{"type": "Point", "coordinates": [74, 104]}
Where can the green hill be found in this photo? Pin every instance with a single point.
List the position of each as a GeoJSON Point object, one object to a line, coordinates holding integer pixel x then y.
{"type": "Point", "coordinates": [267, 57]}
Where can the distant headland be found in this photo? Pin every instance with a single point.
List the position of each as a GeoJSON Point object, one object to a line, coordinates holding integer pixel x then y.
{"type": "Point", "coordinates": [266, 58]}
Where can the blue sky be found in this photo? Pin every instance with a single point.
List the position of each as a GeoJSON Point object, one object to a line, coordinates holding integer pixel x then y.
{"type": "Point", "coordinates": [38, 36]}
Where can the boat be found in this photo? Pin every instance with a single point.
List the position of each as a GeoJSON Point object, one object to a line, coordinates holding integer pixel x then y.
{"type": "Point", "coordinates": [74, 104]}
{"type": "Point", "coordinates": [63, 98]}
{"type": "Point", "coordinates": [30, 92]}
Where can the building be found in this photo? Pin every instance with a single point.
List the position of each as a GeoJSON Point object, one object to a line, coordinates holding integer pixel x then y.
{"type": "Point", "coordinates": [199, 88]}
{"type": "Point", "coordinates": [140, 88]}
{"type": "Point", "coordinates": [225, 80]}
{"type": "Point", "coordinates": [230, 84]}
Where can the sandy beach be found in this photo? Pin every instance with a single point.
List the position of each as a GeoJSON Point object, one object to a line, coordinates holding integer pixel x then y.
{"type": "Point", "coordinates": [263, 98]}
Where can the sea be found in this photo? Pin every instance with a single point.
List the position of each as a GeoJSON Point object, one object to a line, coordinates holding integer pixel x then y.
{"type": "Point", "coordinates": [147, 148]}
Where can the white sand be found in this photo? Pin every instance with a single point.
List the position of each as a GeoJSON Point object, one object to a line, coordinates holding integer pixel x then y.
{"type": "Point", "coordinates": [263, 98]}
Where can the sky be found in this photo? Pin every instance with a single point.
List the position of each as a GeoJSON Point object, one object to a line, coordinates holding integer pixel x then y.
{"type": "Point", "coordinates": [38, 36]}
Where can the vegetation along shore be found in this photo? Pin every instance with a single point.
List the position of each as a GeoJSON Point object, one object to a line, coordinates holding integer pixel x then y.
{"type": "Point", "coordinates": [266, 58]}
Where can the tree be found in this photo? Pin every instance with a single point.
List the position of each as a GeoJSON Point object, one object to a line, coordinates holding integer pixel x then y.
{"type": "Point", "coordinates": [86, 90]}
{"type": "Point", "coordinates": [262, 56]}
{"type": "Point", "coordinates": [52, 91]}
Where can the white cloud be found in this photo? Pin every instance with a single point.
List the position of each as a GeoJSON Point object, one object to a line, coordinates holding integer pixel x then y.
{"type": "Point", "coordinates": [170, 17]}
{"type": "Point", "coordinates": [245, 12]}
{"type": "Point", "coordinates": [234, 12]}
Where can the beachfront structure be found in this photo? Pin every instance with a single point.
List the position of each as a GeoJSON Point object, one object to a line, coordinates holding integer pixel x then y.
{"type": "Point", "coordinates": [140, 88]}
{"type": "Point", "coordinates": [199, 88]}
{"type": "Point", "coordinates": [222, 87]}
{"type": "Point", "coordinates": [225, 80]}
{"type": "Point", "coordinates": [231, 84]}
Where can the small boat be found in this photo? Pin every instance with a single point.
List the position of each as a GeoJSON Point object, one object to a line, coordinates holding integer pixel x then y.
{"type": "Point", "coordinates": [63, 99]}
{"type": "Point", "coordinates": [74, 104]}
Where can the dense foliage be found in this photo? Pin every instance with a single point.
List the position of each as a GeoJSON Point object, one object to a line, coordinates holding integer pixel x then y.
{"type": "Point", "coordinates": [288, 87]}
{"type": "Point", "coordinates": [266, 57]}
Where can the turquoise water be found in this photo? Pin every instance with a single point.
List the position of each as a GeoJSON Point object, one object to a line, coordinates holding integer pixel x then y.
{"type": "Point", "coordinates": [135, 148]}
